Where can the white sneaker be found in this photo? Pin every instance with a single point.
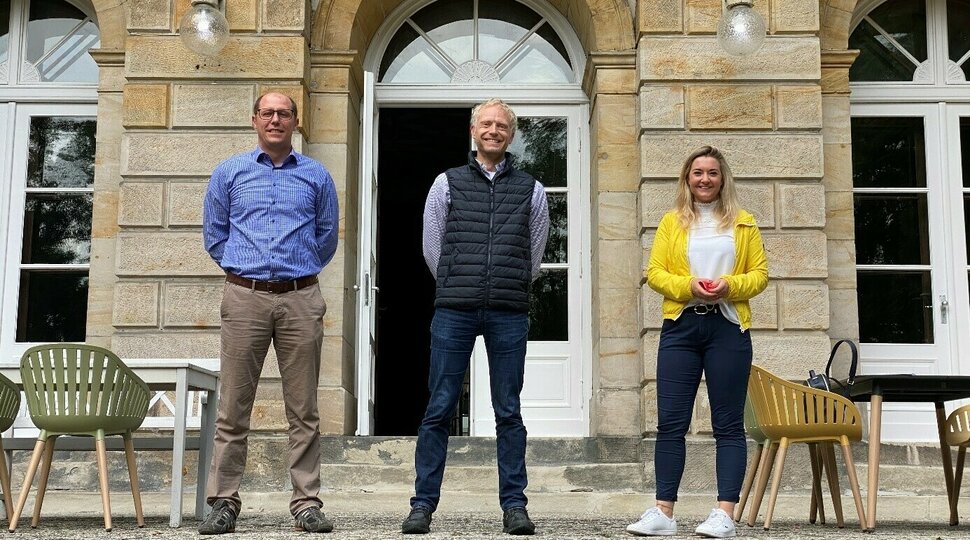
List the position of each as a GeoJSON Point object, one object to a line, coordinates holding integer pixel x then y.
{"type": "Point", "coordinates": [653, 522]}
{"type": "Point", "coordinates": [718, 525]}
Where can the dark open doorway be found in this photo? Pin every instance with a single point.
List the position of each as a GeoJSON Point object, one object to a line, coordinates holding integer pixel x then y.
{"type": "Point", "coordinates": [414, 147]}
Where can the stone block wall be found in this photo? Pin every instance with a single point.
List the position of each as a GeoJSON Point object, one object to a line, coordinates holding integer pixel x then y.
{"type": "Point", "coordinates": [765, 112]}
{"type": "Point", "coordinates": [174, 116]}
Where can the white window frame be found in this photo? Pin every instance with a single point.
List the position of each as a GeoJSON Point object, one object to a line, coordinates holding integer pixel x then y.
{"type": "Point", "coordinates": [22, 101]}
{"type": "Point", "coordinates": [15, 176]}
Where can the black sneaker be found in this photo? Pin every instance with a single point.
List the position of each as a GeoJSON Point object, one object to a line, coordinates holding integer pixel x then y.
{"type": "Point", "coordinates": [516, 521]}
{"type": "Point", "coordinates": [417, 522]}
{"type": "Point", "coordinates": [221, 520]}
{"type": "Point", "coordinates": [311, 519]}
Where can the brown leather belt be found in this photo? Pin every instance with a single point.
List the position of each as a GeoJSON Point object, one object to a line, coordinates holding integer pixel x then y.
{"type": "Point", "coordinates": [275, 287]}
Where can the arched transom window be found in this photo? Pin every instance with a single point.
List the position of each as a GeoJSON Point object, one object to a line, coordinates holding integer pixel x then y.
{"type": "Point", "coordinates": [916, 41]}
{"type": "Point", "coordinates": [476, 42]}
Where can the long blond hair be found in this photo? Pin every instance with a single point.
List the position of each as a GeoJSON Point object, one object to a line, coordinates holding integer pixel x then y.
{"type": "Point", "coordinates": [726, 205]}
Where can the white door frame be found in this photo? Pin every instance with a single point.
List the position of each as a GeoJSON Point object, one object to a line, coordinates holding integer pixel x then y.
{"type": "Point", "coordinates": [907, 421]}
{"type": "Point", "coordinates": [580, 262]}
{"type": "Point", "coordinates": [364, 350]}
{"type": "Point", "coordinates": [547, 412]}
{"type": "Point", "coordinates": [959, 305]}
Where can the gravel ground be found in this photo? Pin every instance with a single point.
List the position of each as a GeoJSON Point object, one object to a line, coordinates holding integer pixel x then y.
{"type": "Point", "coordinates": [361, 526]}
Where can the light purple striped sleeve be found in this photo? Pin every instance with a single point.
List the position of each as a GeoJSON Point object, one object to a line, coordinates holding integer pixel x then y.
{"type": "Point", "coordinates": [435, 214]}
{"type": "Point", "coordinates": [538, 227]}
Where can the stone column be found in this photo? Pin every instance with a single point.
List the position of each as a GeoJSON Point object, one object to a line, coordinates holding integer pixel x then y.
{"type": "Point", "coordinates": [840, 217]}
{"type": "Point", "coordinates": [335, 97]}
{"type": "Point", "coordinates": [610, 81]}
{"type": "Point", "coordinates": [764, 111]}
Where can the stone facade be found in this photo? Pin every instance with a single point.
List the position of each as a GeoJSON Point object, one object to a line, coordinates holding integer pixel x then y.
{"type": "Point", "coordinates": [658, 87]}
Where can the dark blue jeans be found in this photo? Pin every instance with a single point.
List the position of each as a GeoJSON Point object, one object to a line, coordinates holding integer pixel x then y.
{"type": "Point", "coordinates": [689, 346]}
{"type": "Point", "coordinates": [453, 334]}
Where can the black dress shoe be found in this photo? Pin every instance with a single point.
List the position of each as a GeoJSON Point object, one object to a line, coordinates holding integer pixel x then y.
{"type": "Point", "coordinates": [516, 521]}
{"type": "Point", "coordinates": [417, 522]}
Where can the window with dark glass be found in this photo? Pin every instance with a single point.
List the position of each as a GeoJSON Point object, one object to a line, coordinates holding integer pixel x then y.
{"type": "Point", "coordinates": [56, 245]}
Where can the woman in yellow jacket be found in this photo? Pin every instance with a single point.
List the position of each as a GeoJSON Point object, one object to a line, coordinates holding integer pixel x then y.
{"type": "Point", "coordinates": [707, 261]}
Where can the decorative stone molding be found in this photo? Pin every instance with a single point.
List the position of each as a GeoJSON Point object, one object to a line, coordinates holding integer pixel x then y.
{"type": "Point", "coordinates": [835, 70]}
{"type": "Point", "coordinates": [600, 62]}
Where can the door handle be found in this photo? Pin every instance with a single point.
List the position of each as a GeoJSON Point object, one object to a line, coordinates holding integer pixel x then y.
{"type": "Point", "coordinates": [370, 289]}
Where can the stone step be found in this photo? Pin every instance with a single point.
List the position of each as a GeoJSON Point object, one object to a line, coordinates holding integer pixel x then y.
{"type": "Point", "coordinates": [481, 450]}
{"type": "Point", "coordinates": [593, 466]}
{"type": "Point", "coordinates": [582, 478]}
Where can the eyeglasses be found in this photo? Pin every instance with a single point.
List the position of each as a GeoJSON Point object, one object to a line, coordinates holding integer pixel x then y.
{"type": "Point", "coordinates": [267, 114]}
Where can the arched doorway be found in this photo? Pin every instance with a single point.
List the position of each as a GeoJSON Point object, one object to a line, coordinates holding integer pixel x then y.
{"type": "Point", "coordinates": [430, 63]}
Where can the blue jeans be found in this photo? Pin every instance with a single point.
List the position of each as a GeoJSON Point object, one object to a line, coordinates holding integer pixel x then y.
{"type": "Point", "coordinates": [689, 346]}
{"type": "Point", "coordinates": [453, 334]}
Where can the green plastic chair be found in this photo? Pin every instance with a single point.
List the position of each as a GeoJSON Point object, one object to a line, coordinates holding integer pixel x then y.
{"type": "Point", "coordinates": [9, 407]}
{"type": "Point", "coordinates": [76, 389]}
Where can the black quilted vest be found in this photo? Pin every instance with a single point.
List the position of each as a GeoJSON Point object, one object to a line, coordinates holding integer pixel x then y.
{"type": "Point", "coordinates": [486, 254]}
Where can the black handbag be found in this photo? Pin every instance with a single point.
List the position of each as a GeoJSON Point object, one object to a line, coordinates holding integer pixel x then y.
{"type": "Point", "coordinates": [829, 383]}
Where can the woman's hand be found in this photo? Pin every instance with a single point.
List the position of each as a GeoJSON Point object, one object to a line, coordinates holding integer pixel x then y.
{"type": "Point", "coordinates": [709, 290]}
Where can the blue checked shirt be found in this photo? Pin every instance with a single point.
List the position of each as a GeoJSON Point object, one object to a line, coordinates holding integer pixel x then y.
{"type": "Point", "coordinates": [270, 223]}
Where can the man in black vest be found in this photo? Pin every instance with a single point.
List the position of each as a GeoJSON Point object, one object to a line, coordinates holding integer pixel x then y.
{"type": "Point", "coordinates": [485, 229]}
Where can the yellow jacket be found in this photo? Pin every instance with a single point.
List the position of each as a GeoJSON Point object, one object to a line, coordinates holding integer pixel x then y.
{"type": "Point", "coordinates": [668, 271]}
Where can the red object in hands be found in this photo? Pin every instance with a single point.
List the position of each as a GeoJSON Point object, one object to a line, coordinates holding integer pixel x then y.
{"type": "Point", "coordinates": [708, 285]}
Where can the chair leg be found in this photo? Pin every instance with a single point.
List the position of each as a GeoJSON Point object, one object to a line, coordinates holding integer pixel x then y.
{"type": "Point", "coordinates": [833, 477]}
{"type": "Point", "coordinates": [45, 472]}
{"type": "Point", "coordinates": [28, 480]}
{"type": "Point", "coordinates": [817, 507]}
{"type": "Point", "coordinates": [776, 481]}
{"type": "Point", "coordinates": [748, 481]}
{"type": "Point", "coordinates": [102, 453]}
{"type": "Point", "coordinates": [5, 483]}
{"type": "Point", "coordinates": [133, 478]}
{"type": "Point", "coordinates": [854, 480]}
{"type": "Point", "coordinates": [957, 480]}
{"type": "Point", "coordinates": [768, 461]}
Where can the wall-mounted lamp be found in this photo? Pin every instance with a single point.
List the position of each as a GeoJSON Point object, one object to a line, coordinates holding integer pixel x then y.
{"type": "Point", "coordinates": [204, 29]}
{"type": "Point", "coordinates": [742, 29]}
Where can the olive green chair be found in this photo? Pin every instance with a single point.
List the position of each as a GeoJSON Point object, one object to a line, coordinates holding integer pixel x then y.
{"type": "Point", "coordinates": [81, 390]}
{"type": "Point", "coordinates": [9, 407]}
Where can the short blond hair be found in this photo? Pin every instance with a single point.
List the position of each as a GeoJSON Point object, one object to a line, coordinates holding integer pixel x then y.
{"type": "Point", "coordinates": [726, 206]}
{"type": "Point", "coordinates": [495, 102]}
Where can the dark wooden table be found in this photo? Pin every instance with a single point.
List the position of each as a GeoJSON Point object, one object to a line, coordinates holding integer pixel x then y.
{"type": "Point", "coordinates": [936, 389]}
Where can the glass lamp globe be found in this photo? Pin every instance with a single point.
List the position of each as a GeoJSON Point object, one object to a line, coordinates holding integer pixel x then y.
{"type": "Point", "coordinates": [741, 30]}
{"type": "Point", "coordinates": [204, 29]}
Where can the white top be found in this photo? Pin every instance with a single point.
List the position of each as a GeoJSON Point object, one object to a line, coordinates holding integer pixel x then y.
{"type": "Point", "coordinates": [711, 254]}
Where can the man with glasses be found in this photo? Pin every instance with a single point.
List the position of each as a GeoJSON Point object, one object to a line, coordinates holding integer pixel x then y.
{"type": "Point", "coordinates": [270, 222]}
{"type": "Point", "coordinates": [485, 230]}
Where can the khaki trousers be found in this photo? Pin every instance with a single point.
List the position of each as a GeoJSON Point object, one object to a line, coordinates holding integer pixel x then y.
{"type": "Point", "coordinates": [293, 321]}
